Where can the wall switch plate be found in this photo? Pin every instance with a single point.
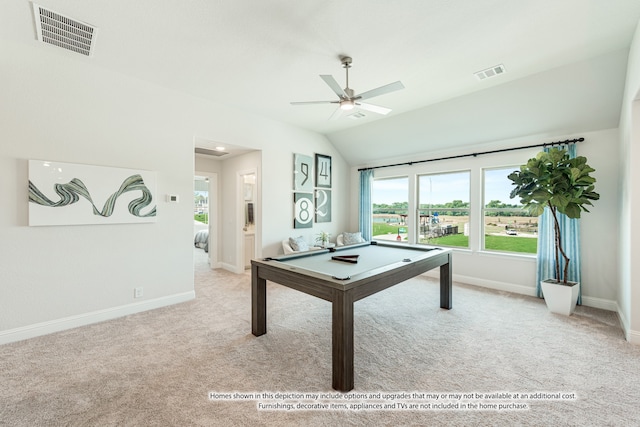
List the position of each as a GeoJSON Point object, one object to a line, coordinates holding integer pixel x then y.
{"type": "Point", "coordinates": [137, 292]}
{"type": "Point", "coordinates": [172, 198]}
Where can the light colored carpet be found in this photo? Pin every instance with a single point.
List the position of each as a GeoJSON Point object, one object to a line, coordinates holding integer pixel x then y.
{"type": "Point", "coordinates": [158, 368]}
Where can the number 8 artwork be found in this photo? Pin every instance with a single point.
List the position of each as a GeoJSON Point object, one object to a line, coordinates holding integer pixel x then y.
{"type": "Point", "coordinates": [303, 210]}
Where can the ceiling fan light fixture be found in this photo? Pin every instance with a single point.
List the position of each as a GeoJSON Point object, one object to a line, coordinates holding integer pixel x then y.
{"type": "Point", "coordinates": [347, 104]}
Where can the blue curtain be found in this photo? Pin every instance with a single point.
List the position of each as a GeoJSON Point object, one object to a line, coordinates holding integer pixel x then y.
{"type": "Point", "coordinates": [570, 230]}
{"type": "Point", "coordinates": [366, 208]}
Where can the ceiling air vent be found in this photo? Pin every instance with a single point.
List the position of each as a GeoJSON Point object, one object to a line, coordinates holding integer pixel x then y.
{"type": "Point", "coordinates": [490, 72]}
{"type": "Point", "coordinates": [206, 152]}
{"type": "Point", "coordinates": [357, 115]}
{"type": "Point", "coordinates": [64, 32]}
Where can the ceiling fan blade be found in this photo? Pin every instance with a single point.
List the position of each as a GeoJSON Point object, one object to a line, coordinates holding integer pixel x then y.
{"type": "Point", "coordinates": [336, 114]}
{"type": "Point", "coordinates": [333, 84]}
{"type": "Point", "coordinates": [314, 102]}
{"type": "Point", "coordinates": [374, 108]}
{"type": "Point", "coordinates": [391, 87]}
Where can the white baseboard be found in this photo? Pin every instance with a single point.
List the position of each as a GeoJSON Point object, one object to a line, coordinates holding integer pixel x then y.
{"type": "Point", "coordinates": [499, 286]}
{"type": "Point", "coordinates": [604, 304]}
{"type": "Point", "coordinates": [633, 337]}
{"type": "Point", "coordinates": [232, 268]}
{"type": "Point", "coordinates": [491, 284]}
{"type": "Point", "coordinates": [228, 267]}
{"type": "Point", "coordinates": [44, 328]}
{"type": "Point", "coordinates": [601, 303]}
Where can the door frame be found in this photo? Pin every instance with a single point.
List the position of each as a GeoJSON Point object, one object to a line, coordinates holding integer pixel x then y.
{"type": "Point", "coordinates": [214, 217]}
{"type": "Point", "coordinates": [239, 267]}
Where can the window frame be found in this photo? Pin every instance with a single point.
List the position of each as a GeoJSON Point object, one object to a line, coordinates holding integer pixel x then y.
{"type": "Point", "coordinates": [430, 210]}
{"type": "Point", "coordinates": [484, 210]}
{"type": "Point", "coordinates": [407, 240]}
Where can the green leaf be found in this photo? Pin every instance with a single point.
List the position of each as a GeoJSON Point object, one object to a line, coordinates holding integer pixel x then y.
{"type": "Point", "coordinates": [572, 210]}
{"type": "Point", "coordinates": [560, 200]}
{"type": "Point", "coordinates": [575, 174]}
{"type": "Point", "coordinates": [534, 209]}
{"type": "Point", "coordinates": [541, 195]}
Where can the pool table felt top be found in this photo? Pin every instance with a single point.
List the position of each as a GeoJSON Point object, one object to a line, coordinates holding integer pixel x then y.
{"type": "Point", "coordinates": [371, 257]}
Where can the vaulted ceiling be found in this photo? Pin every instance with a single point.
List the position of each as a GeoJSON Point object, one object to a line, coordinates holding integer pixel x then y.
{"type": "Point", "coordinates": [565, 62]}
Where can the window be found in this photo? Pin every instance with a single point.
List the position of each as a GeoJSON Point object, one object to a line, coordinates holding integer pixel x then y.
{"type": "Point", "coordinates": [443, 207]}
{"type": "Point", "coordinates": [506, 226]}
{"type": "Point", "coordinates": [390, 199]}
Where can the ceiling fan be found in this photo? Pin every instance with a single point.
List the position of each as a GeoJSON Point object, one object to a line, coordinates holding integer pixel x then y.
{"type": "Point", "coordinates": [347, 100]}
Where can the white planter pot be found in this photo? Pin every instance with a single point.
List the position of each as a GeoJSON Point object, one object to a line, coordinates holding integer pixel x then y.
{"type": "Point", "coordinates": [560, 298]}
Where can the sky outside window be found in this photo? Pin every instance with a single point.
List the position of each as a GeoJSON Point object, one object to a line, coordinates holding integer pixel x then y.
{"type": "Point", "coordinates": [444, 188]}
{"type": "Point", "coordinates": [498, 187]}
{"type": "Point", "coordinates": [389, 191]}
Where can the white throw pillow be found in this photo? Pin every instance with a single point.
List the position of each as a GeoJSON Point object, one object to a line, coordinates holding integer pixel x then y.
{"type": "Point", "coordinates": [298, 244]}
{"type": "Point", "coordinates": [351, 238]}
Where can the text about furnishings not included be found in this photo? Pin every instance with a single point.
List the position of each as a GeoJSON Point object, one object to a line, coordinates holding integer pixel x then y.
{"type": "Point", "coordinates": [397, 401]}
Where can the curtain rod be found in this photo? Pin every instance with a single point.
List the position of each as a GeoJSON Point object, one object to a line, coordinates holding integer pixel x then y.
{"type": "Point", "coordinates": [546, 144]}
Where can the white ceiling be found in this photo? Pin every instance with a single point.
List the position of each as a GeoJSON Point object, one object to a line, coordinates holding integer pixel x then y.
{"type": "Point", "coordinates": [261, 55]}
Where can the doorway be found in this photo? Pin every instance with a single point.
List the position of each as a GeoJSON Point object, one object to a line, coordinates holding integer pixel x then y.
{"type": "Point", "coordinates": [248, 205]}
{"type": "Point", "coordinates": [204, 219]}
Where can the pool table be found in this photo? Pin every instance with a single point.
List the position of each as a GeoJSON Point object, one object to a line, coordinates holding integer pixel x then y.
{"type": "Point", "coordinates": [372, 267]}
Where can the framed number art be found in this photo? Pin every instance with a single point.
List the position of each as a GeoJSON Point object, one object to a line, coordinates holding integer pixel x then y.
{"type": "Point", "coordinates": [323, 205]}
{"type": "Point", "coordinates": [302, 173]}
{"type": "Point", "coordinates": [302, 210]}
{"type": "Point", "coordinates": [323, 171]}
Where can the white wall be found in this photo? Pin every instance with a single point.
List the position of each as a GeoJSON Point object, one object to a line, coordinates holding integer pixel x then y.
{"type": "Point", "coordinates": [517, 273]}
{"type": "Point", "coordinates": [277, 191]}
{"type": "Point", "coordinates": [232, 212]}
{"type": "Point", "coordinates": [56, 277]}
{"type": "Point", "coordinates": [57, 106]}
{"type": "Point", "coordinates": [629, 189]}
{"type": "Point", "coordinates": [204, 163]}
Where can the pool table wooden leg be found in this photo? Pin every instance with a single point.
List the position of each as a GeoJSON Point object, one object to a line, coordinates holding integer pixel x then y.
{"type": "Point", "coordinates": [445, 285]}
{"type": "Point", "coordinates": [342, 340]}
{"type": "Point", "coordinates": [258, 303]}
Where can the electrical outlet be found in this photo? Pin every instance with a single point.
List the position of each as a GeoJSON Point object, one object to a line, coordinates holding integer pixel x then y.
{"type": "Point", "coordinates": [137, 292]}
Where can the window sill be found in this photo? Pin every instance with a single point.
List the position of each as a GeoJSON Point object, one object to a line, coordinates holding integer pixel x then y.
{"type": "Point", "coordinates": [520, 256]}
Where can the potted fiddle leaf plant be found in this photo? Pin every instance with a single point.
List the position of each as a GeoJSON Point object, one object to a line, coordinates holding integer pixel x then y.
{"type": "Point", "coordinates": [553, 180]}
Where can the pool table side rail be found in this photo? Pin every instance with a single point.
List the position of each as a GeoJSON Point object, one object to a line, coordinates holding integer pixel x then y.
{"type": "Point", "coordinates": [320, 285]}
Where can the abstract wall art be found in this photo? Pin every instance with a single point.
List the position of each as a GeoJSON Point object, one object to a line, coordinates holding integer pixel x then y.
{"type": "Point", "coordinates": [74, 194]}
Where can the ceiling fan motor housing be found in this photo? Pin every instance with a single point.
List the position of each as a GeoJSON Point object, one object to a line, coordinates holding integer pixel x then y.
{"type": "Point", "coordinates": [349, 92]}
